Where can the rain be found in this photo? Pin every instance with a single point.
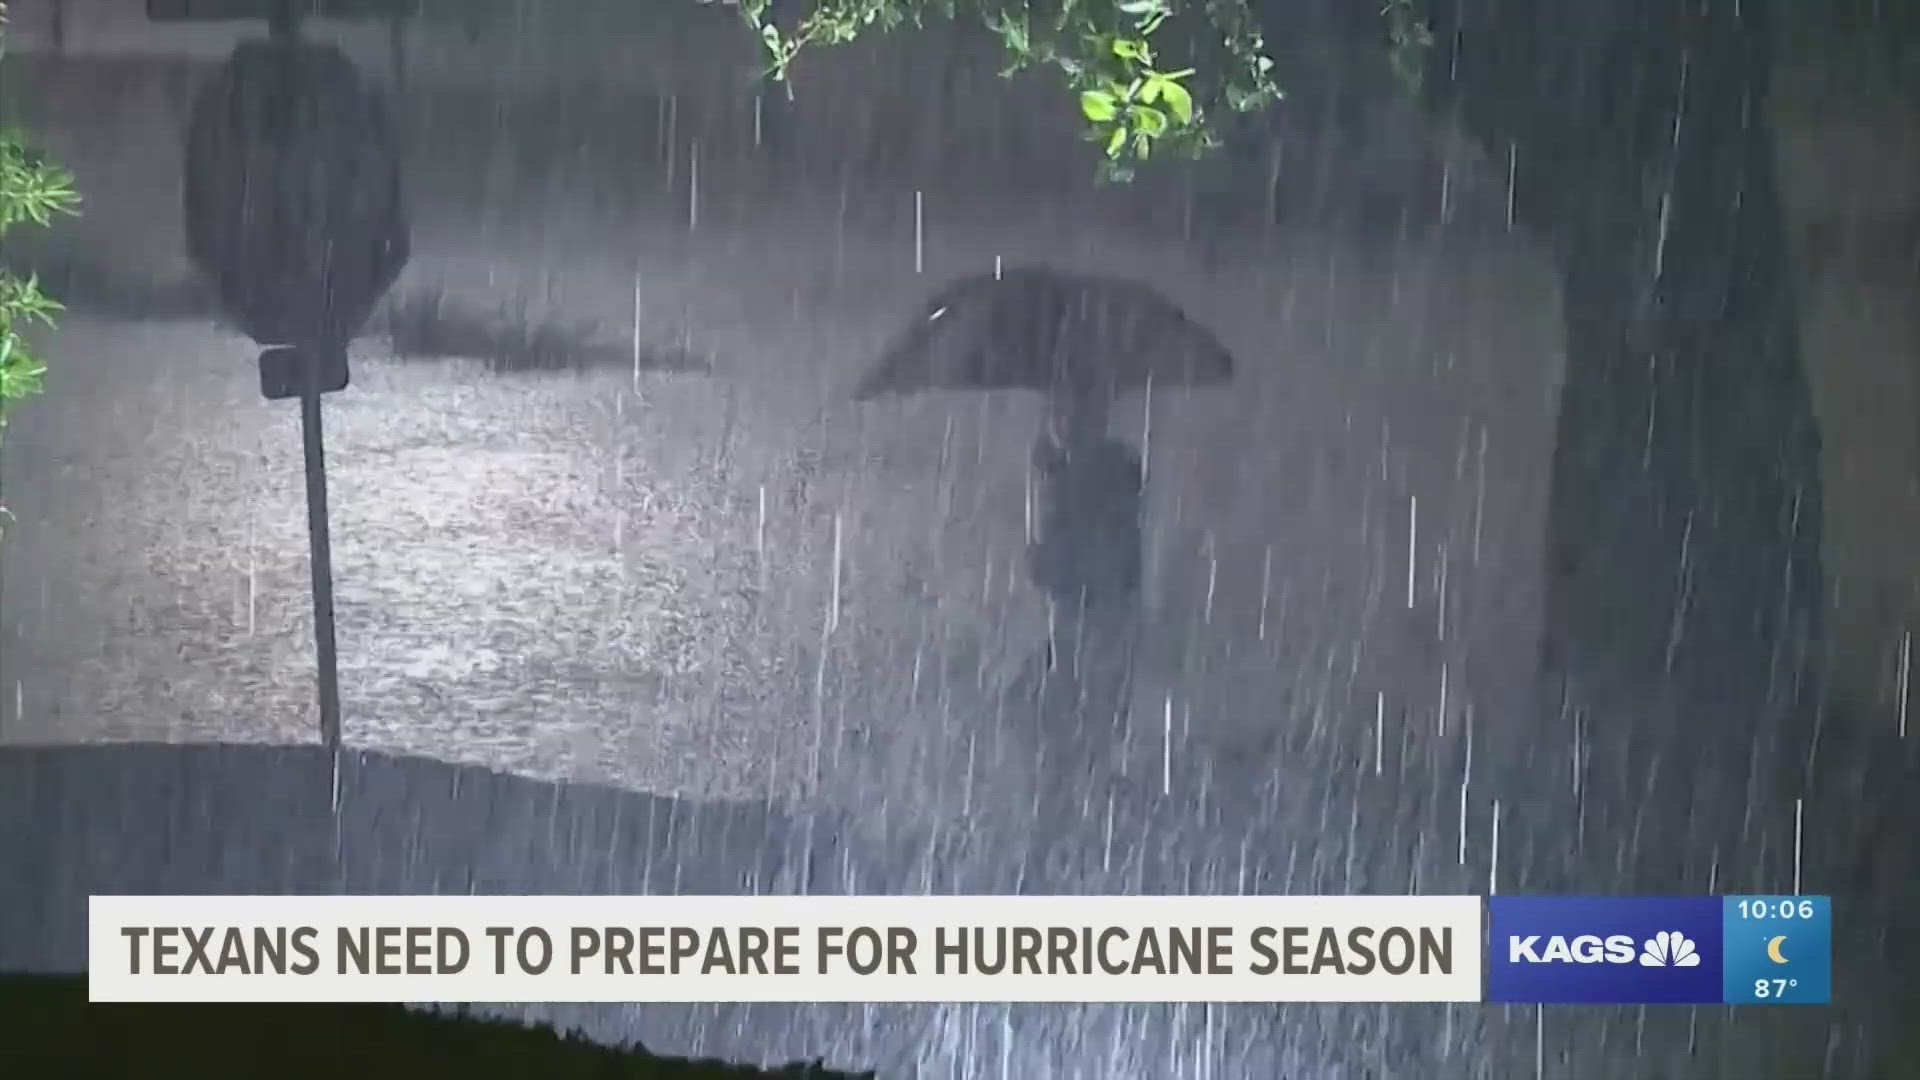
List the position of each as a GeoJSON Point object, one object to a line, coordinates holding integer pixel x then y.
{"type": "Point", "coordinates": [842, 486]}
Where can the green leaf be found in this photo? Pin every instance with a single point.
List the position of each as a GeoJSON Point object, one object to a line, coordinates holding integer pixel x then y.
{"type": "Point", "coordinates": [1103, 52]}
{"type": "Point", "coordinates": [1098, 105]}
{"type": "Point", "coordinates": [1014, 36]}
{"type": "Point", "coordinates": [1179, 101]}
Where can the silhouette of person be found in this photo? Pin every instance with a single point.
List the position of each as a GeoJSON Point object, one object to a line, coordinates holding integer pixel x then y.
{"type": "Point", "coordinates": [1087, 555]}
{"type": "Point", "coordinates": [1069, 707]}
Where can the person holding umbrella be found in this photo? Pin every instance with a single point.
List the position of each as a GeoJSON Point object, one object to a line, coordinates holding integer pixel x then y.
{"type": "Point", "coordinates": [1081, 341]}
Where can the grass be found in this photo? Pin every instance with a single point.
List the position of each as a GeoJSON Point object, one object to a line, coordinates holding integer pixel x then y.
{"type": "Point", "coordinates": [48, 1029]}
{"type": "Point", "coordinates": [426, 323]}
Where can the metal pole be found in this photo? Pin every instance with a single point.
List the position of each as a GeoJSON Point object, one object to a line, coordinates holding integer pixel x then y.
{"type": "Point", "coordinates": [321, 558]}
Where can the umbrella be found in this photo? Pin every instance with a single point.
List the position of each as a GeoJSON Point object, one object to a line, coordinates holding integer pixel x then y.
{"type": "Point", "coordinates": [1079, 338]}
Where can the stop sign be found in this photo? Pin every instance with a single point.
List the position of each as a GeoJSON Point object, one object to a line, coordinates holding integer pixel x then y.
{"type": "Point", "coordinates": [292, 194]}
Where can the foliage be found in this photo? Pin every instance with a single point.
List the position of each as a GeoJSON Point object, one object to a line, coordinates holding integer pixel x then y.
{"type": "Point", "coordinates": [1408, 40]}
{"type": "Point", "coordinates": [32, 192]}
{"type": "Point", "coordinates": [1109, 53]}
{"type": "Point", "coordinates": [48, 1019]}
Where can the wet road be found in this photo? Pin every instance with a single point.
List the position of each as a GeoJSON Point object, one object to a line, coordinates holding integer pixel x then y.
{"type": "Point", "coordinates": [525, 563]}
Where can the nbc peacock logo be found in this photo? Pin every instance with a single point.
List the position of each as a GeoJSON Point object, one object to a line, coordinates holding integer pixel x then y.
{"type": "Point", "coordinates": [1669, 948]}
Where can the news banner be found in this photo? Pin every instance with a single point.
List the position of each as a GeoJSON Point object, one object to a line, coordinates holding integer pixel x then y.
{"type": "Point", "coordinates": [1734, 950]}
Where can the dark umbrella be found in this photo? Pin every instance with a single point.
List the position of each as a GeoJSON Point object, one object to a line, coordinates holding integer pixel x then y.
{"type": "Point", "coordinates": [1081, 339]}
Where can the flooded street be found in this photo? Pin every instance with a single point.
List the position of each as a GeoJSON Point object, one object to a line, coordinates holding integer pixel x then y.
{"type": "Point", "coordinates": [631, 577]}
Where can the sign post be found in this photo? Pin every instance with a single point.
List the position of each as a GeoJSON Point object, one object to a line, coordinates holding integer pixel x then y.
{"type": "Point", "coordinates": [293, 208]}
{"type": "Point", "coordinates": [319, 542]}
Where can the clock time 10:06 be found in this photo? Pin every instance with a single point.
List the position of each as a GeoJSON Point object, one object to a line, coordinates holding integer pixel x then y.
{"type": "Point", "coordinates": [1783, 908]}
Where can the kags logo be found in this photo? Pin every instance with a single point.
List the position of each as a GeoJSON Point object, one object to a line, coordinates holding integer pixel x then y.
{"type": "Point", "coordinates": [1668, 948]}
{"type": "Point", "coordinates": [1584, 949]}
{"type": "Point", "coordinates": [1605, 950]}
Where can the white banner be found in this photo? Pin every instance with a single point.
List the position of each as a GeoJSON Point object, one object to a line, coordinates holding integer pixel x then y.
{"type": "Point", "coordinates": [784, 948]}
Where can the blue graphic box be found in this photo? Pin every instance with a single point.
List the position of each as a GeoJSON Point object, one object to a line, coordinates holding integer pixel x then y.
{"type": "Point", "coordinates": [1605, 950]}
{"type": "Point", "coordinates": [1779, 950]}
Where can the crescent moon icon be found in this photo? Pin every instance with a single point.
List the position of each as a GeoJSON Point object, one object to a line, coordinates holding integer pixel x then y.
{"type": "Point", "coordinates": [1773, 950]}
